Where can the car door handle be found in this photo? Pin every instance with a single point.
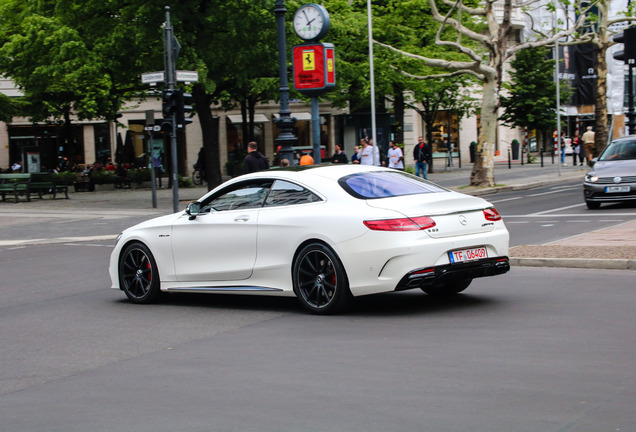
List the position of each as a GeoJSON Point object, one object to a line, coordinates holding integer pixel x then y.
{"type": "Point", "coordinates": [242, 218]}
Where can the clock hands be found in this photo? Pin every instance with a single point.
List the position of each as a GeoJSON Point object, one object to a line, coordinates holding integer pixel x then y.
{"type": "Point", "coordinates": [307, 18]}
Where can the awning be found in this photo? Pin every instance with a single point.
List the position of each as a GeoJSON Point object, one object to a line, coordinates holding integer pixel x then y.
{"type": "Point", "coordinates": [299, 116]}
{"type": "Point", "coordinates": [258, 118]}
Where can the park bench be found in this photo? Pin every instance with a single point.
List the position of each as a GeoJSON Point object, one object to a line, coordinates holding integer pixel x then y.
{"type": "Point", "coordinates": [16, 184]}
{"type": "Point", "coordinates": [43, 183]}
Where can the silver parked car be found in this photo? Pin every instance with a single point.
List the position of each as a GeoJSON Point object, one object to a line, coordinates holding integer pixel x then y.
{"type": "Point", "coordinates": [613, 175]}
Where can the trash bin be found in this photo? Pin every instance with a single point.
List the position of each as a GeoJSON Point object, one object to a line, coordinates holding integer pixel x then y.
{"type": "Point", "coordinates": [473, 150]}
{"type": "Point", "coordinates": [515, 149]}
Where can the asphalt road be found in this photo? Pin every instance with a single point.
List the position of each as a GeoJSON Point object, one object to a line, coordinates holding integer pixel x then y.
{"type": "Point", "coordinates": [550, 213]}
{"type": "Point", "coordinates": [532, 350]}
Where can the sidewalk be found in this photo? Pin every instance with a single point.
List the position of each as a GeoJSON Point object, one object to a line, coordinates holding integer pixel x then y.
{"type": "Point", "coordinates": [610, 248]}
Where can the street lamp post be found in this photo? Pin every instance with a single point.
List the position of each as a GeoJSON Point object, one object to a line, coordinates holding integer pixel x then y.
{"type": "Point", "coordinates": [285, 122]}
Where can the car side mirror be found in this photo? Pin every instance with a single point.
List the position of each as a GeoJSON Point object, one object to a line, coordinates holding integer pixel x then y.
{"type": "Point", "coordinates": [193, 209]}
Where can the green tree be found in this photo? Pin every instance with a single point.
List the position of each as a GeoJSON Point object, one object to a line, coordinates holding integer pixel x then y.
{"type": "Point", "coordinates": [532, 93]}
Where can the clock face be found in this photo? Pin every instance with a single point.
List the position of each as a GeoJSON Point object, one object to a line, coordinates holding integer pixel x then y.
{"type": "Point", "coordinates": [311, 21]}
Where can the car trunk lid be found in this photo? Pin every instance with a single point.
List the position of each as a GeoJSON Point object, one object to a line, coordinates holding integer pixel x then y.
{"type": "Point", "coordinates": [454, 214]}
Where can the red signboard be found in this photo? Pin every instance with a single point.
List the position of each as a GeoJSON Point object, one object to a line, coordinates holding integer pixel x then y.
{"type": "Point", "coordinates": [314, 68]}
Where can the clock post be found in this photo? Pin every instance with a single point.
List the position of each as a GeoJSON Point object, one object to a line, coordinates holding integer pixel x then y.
{"type": "Point", "coordinates": [285, 122]}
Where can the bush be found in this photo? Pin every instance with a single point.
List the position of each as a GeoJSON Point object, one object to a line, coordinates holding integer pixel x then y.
{"type": "Point", "coordinates": [185, 182]}
{"type": "Point", "coordinates": [138, 175]}
{"type": "Point", "coordinates": [103, 176]}
{"type": "Point", "coordinates": [64, 177]}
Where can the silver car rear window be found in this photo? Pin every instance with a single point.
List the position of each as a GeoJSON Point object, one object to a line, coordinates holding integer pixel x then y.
{"type": "Point", "coordinates": [385, 184]}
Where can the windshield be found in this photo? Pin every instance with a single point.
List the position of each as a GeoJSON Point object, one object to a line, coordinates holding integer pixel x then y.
{"type": "Point", "coordinates": [619, 150]}
{"type": "Point", "coordinates": [385, 184]}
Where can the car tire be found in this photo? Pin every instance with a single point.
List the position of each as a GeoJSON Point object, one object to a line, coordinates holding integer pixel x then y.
{"type": "Point", "coordinates": [593, 205]}
{"type": "Point", "coordinates": [138, 274]}
{"type": "Point", "coordinates": [450, 289]}
{"type": "Point", "coordinates": [320, 281]}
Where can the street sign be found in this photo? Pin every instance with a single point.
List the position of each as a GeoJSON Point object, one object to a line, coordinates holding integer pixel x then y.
{"type": "Point", "coordinates": [314, 68]}
{"type": "Point", "coordinates": [155, 77]}
{"type": "Point", "coordinates": [152, 77]}
{"type": "Point", "coordinates": [188, 76]}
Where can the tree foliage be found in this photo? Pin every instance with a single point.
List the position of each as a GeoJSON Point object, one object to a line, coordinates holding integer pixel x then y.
{"type": "Point", "coordinates": [531, 99]}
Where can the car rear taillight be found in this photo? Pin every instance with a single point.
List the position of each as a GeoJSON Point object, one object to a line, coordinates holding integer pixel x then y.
{"type": "Point", "coordinates": [491, 214]}
{"type": "Point", "coordinates": [401, 224]}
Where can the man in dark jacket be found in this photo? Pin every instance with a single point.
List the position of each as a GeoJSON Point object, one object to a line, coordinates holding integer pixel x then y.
{"type": "Point", "coordinates": [421, 155]}
{"type": "Point", "coordinates": [254, 161]}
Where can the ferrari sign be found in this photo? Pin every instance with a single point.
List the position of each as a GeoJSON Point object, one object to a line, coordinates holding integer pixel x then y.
{"type": "Point", "coordinates": [314, 68]}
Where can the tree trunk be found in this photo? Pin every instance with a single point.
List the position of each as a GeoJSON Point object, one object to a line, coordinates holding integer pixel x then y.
{"type": "Point", "coordinates": [600, 100]}
{"type": "Point", "coordinates": [483, 168]}
{"type": "Point", "coordinates": [210, 133]}
{"type": "Point", "coordinates": [398, 109]}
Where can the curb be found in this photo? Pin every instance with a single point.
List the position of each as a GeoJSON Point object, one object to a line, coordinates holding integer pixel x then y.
{"type": "Point", "coordinates": [587, 263]}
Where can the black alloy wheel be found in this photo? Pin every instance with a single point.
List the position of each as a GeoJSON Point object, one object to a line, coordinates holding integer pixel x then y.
{"type": "Point", "coordinates": [447, 289]}
{"type": "Point", "coordinates": [138, 274]}
{"type": "Point", "coordinates": [320, 282]}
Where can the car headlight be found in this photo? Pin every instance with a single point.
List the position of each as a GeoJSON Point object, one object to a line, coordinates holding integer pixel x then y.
{"type": "Point", "coordinates": [589, 178]}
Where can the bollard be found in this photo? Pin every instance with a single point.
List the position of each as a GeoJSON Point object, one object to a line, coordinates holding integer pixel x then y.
{"type": "Point", "coordinates": [541, 158]}
{"type": "Point", "coordinates": [509, 159]}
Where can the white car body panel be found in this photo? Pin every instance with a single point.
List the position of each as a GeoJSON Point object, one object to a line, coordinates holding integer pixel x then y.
{"type": "Point", "coordinates": [252, 251]}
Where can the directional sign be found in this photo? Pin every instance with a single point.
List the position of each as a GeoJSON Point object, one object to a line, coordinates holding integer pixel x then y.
{"type": "Point", "coordinates": [152, 77]}
{"type": "Point", "coordinates": [187, 76]}
{"type": "Point", "coordinates": [155, 77]}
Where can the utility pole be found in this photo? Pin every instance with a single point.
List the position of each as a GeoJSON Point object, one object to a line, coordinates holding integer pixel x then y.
{"type": "Point", "coordinates": [169, 61]}
{"type": "Point", "coordinates": [285, 122]}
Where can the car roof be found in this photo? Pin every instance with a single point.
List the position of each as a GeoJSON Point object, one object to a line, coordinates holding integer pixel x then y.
{"type": "Point", "coordinates": [329, 171]}
{"type": "Point", "coordinates": [625, 138]}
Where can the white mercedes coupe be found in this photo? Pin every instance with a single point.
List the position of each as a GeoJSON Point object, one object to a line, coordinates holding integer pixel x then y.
{"type": "Point", "coordinates": [324, 234]}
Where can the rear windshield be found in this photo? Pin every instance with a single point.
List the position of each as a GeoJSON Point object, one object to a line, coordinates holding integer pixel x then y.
{"type": "Point", "coordinates": [385, 184]}
{"type": "Point", "coordinates": [619, 150]}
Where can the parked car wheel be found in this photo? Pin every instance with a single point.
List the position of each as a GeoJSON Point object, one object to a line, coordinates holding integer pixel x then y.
{"type": "Point", "coordinates": [138, 274]}
{"type": "Point", "coordinates": [320, 281]}
{"type": "Point", "coordinates": [447, 289]}
{"type": "Point", "coordinates": [593, 205]}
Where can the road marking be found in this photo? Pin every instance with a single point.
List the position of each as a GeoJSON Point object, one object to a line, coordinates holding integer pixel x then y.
{"type": "Point", "coordinates": [507, 199]}
{"type": "Point", "coordinates": [551, 192]}
{"type": "Point", "coordinates": [559, 209]}
{"type": "Point", "coordinates": [56, 240]}
{"type": "Point", "coordinates": [587, 215]}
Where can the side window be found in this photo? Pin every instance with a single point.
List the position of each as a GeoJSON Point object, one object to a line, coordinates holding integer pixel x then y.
{"type": "Point", "coordinates": [287, 193]}
{"type": "Point", "coordinates": [242, 196]}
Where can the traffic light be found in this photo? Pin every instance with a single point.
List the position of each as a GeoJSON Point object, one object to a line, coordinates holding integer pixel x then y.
{"type": "Point", "coordinates": [184, 108]}
{"type": "Point", "coordinates": [168, 108]}
{"type": "Point", "coordinates": [169, 102]}
{"type": "Point", "coordinates": [628, 39]}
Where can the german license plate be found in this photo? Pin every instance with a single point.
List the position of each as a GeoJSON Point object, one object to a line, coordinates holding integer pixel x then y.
{"type": "Point", "coordinates": [615, 189]}
{"type": "Point", "coordinates": [471, 254]}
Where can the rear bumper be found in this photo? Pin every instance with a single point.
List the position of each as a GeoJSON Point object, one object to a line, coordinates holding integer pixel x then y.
{"type": "Point", "coordinates": [449, 273]}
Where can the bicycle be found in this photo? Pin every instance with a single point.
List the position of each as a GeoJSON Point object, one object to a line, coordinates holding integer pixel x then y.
{"type": "Point", "coordinates": [198, 175]}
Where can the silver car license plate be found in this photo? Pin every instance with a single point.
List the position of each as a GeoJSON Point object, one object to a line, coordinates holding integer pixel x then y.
{"type": "Point", "coordinates": [615, 189]}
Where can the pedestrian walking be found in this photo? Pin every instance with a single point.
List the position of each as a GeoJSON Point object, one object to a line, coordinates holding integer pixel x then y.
{"type": "Point", "coordinates": [588, 144]}
{"type": "Point", "coordinates": [562, 142]}
{"type": "Point", "coordinates": [421, 155]}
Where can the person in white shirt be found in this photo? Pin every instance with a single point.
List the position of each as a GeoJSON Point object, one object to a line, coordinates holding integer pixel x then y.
{"type": "Point", "coordinates": [396, 157]}
{"type": "Point", "coordinates": [366, 153]}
